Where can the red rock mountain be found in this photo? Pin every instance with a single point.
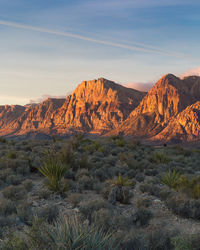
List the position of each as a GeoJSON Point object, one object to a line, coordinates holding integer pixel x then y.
{"type": "Point", "coordinates": [169, 96]}
{"type": "Point", "coordinates": [184, 127]}
{"type": "Point", "coordinates": [94, 107]}
{"type": "Point", "coordinates": [36, 118]}
{"type": "Point", "coordinates": [170, 110]}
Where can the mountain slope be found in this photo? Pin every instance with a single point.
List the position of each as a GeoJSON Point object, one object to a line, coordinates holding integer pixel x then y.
{"type": "Point", "coordinates": [96, 106]}
{"type": "Point", "coordinates": [165, 100]}
{"type": "Point", "coordinates": [185, 126]}
{"type": "Point", "coordinates": [36, 118]}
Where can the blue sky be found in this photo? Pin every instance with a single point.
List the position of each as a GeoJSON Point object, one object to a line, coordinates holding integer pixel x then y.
{"type": "Point", "coordinates": [142, 40]}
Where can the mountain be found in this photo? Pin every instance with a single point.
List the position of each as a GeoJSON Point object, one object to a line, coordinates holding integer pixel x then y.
{"type": "Point", "coordinates": [184, 127]}
{"type": "Point", "coordinates": [94, 107]}
{"type": "Point", "coordinates": [170, 111]}
{"type": "Point", "coordinates": [34, 118]}
{"type": "Point", "coordinates": [9, 113]}
{"type": "Point", "coordinates": [167, 98]}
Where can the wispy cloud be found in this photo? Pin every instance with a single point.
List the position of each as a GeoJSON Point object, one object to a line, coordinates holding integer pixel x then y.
{"type": "Point", "coordinates": [191, 72]}
{"type": "Point", "coordinates": [143, 48]}
{"type": "Point", "coordinates": [140, 85]}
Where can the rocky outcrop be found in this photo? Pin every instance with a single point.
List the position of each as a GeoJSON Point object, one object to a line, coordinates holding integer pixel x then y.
{"type": "Point", "coordinates": [96, 107]}
{"type": "Point", "coordinates": [164, 101]}
{"type": "Point", "coordinates": [36, 118]}
{"type": "Point", "coordinates": [169, 110]}
{"type": "Point", "coordinates": [10, 113]}
{"type": "Point", "coordinates": [184, 127]}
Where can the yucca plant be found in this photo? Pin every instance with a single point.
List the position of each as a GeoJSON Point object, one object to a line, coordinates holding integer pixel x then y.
{"type": "Point", "coordinates": [171, 179]}
{"type": "Point", "coordinates": [54, 171]}
{"type": "Point", "coordinates": [70, 233]}
{"type": "Point", "coordinates": [120, 181]}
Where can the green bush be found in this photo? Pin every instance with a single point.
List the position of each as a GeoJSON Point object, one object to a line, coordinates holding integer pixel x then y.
{"type": "Point", "coordinates": [159, 157]}
{"type": "Point", "coordinates": [186, 243]}
{"type": "Point", "coordinates": [171, 179]}
{"type": "Point", "coordinates": [54, 171]}
{"type": "Point", "coordinates": [14, 192]}
{"type": "Point", "coordinates": [12, 155]}
{"type": "Point", "coordinates": [120, 181]}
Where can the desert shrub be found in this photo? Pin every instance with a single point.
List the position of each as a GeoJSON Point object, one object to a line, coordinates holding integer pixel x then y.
{"type": "Point", "coordinates": [7, 207]}
{"type": "Point", "coordinates": [66, 155]}
{"type": "Point", "coordinates": [12, 155]}
{"type": "Point", "coordinates": [190, 187]}
{"type": "Point", "coordinates": [14, 242]}
{"type": "Point", "coordinates": [142, 217]}
{"type": "Point", "coordinates": [185, 242]}
{"type": "Point", "coordinates": [54, 172]}
{"type": "Point", "coordinates": [118, 190]}
{"type": "Point", "coordinates": [120, 142]}
{"type": "Point", "coordinates": [183, 206]}
{"type": "Point", "coordinates": [103, 218]}
{"type": "Point", "coordinates": [69, 233]}
{"type": "Point", "coordinates": [111, 160]}
{"type": "Point", "coordinates": [44, 193]}
{"type": "Point", "coordinates": [75, 198]}
{"type": "Point", "coordinates": [70, 174]}
{"type": "Point", "coordinates": [160, 239]}
{"type": "Point", "coordinates": [140, 177]}
{"type": "Point", "coordinates": [133, 240]}
{"type": "Point", "coordinates": [150, 188]}
{"type": "Point", "coordinates": [48, 213]}
{"type": "Point", "coordinates": [88, 207]}
{"type": "Point", "coordinates": [7, 221]}
{"type": "Point", "coordinates": [82, 172]}
{"type": "Point", "coordinates": [143, 202]}
{"type": "Point", "coordinates": [14, 179]}
{"type": "Point", "coordinates": [86, 182]}
{"type": "Point", "coordinates": [159, 157]}
{"type": "Point", "coordinates": [28, 184]}
{"type": "Point", "coordinates": [103, 173]}
{"type": "Point", "coordinates": [14, 192]}
{"type": "Point", "coordinates": [3, 140]}
{"type": "Point", "coordinates": [4, 173]}
{"type": "Point", "coordinates": [25, 213]}
{"type": "Point", "coordinates": [83, 162]}
{"type": "Point", "coordinates": [178, 149]}
{"type": "Point", "coordinates": [171, 179]}
{"type": "Point", "coordinates": [121, 181]}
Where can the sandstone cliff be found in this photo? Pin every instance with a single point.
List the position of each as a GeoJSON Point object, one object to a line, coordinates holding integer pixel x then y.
{"type": "Point", "coordinates": [163, 102]}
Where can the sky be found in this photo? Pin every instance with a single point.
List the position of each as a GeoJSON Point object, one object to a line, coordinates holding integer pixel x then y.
{"type": "Point", "coordinates": [48, 47]}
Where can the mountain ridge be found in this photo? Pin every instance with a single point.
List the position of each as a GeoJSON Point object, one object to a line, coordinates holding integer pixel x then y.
{"type": "Point", "coordinates": [104, 107]}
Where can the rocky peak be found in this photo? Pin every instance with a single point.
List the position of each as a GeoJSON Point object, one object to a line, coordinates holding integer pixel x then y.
{"type": "Point", "coordinates": [97, 105]}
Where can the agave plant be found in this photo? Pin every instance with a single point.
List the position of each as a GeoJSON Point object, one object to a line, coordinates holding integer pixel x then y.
{"type": "Point", "coordinates": [70, 233]}
{"type": "Point", "coordinates": [54, 171]}
{"type": "Point", "coordinates": [171, 179]}
{"type": "Point", "coordinates": [120, 181]}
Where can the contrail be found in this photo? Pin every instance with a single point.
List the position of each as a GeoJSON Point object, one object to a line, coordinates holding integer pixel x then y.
{"type": "Point", "coordinates": [148, 49]}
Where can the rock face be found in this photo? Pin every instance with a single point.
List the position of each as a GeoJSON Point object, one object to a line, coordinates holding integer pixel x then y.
{"type": "Point", "coordinates": [185, 126]}
{"type": "Point", "coordinates": [9, 114]}
{"type": "Point", "coordinates": [96, 106]}
{"type": "Point", "coordinates": [36, 118]}
{"type": "Point", "coordinates": [164, 101]}
{"type": "Point", "coordinates": [170, 110]}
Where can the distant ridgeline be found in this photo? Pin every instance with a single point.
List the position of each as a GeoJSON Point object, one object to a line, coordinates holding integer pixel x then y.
{"type": "Point", "coordinates": [169, 111]}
